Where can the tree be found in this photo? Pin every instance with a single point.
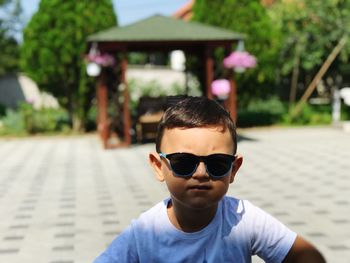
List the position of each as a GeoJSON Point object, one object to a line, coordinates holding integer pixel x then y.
{"type": "Point", "coordinates": [262, 40]}
{"type": "Point", "coordinates": [54, 45]}
{"type": "Point", "coordinates": [9, 26]}
{"type": "Point", "coordinates": [311, 30]}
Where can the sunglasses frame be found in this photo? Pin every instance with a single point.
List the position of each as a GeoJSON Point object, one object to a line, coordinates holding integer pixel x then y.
{"type": "Point", "coordinates": [199, 160]}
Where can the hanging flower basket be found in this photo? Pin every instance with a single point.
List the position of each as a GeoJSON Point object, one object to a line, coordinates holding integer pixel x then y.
{"type": "Point", "coordinates": [221, 88]}
{"type": "Point", "coordinates": [96, 61]}
{"type": "Point", "coordinates": [240, 61]}
{"type": "Point", "coordinates": [104, 60]}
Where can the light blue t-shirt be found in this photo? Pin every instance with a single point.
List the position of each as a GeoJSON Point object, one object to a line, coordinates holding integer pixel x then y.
{"type": "Point", "coordinates": [238, 231]}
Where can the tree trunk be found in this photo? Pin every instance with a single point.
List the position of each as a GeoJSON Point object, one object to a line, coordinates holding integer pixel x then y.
{"type": "Point", "coordinates": [77, 123]}
{"type": "Point", "coordinates": [295, 76]}
{"type": "Point", "coordinates": [74, 116]}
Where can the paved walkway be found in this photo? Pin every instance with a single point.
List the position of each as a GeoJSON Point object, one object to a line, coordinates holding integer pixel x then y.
{"type": "Point", "coordinates": [62, 200]}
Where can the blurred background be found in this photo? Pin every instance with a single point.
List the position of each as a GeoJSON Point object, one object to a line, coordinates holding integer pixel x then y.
{"type": "Point", "coordinates": [301, 50]}
{"type": "Point", "coordinates": [63, 197]}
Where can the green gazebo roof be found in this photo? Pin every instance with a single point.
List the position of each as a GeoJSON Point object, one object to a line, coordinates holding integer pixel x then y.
{"type": "Point", "coordinates": [161, 28]}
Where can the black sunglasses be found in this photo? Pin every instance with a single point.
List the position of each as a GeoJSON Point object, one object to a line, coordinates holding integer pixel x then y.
{"type": "Point", "coordinates": [185, 164]}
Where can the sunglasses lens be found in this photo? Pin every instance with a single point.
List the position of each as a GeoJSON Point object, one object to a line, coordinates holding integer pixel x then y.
{"type": "Point", "coordinates": [183, 164]}
{"type": "Point", "coordinates": [219, 164]}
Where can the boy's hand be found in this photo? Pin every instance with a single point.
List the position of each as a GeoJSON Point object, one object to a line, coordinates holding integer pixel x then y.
{"type": "Point", "coordinates": [302, 251]}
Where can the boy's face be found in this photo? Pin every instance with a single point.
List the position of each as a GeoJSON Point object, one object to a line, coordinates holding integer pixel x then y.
{"type": "Point", "coordinates": [199, 191]}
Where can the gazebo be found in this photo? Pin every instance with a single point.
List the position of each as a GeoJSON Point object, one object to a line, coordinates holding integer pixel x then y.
{"type": "Point", "coordinates": [159, 33]}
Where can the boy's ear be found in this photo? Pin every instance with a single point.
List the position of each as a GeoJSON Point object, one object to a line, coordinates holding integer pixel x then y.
{"type": "Point", "coordinates": [156, 163]}
{"type": "Point", "coordinates": [236, 165]}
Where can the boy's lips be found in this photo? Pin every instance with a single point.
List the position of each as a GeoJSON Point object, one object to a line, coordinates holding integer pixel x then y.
{"type": "Point", "coordinates": [200, 187]}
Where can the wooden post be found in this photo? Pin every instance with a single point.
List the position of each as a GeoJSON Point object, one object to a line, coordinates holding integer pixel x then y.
{"type": "Point", "coordinates": [231, 101]}
{"type": "Point", "coordinates": [126, 112]}
{"type": "Point", "coordinates": [102, 105]}
{"type": "Point", "coordinates": [209, 74]}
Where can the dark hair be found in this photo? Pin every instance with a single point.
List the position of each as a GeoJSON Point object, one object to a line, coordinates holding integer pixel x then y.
{"type": "Point", "coordinates": [195, 112]}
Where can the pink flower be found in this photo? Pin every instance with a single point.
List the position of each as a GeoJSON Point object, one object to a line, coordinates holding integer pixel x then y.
{"type": "Point", "coordinates": [104, 60]}
{"type": "Point", "coordinates": [240, 59]}
{"type": "Point", "coordinates": [221, 87]}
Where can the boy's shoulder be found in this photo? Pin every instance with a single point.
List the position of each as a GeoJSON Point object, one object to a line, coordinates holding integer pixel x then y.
{"type": "Point", "coordinates": [155, 213]}
{"type": "Point", "coordinates": [156, 209]}
{"type": "Point", "coordinates": [238, 207]}
{"type": "Point", "coordinates": [243, 211]}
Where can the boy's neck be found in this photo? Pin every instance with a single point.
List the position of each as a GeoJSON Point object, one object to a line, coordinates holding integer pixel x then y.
{"type": "Point", "coordinates": [188, 219]}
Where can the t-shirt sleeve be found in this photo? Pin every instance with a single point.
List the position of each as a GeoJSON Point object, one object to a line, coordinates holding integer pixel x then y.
{"type": "Point", "coordinates": [122, 249]}
{"type": "Point", "coordinates": [271, 239]}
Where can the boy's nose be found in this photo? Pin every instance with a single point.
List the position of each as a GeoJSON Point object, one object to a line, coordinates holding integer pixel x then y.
{"type": "Point", "coordinates": [201, 171]}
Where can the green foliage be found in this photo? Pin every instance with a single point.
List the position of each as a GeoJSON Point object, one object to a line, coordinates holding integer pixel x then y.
{"type": "Point", "coordinates": [9, 21]}
{"type": "Point", "coordinates": [2, 110]}
{"type": "Point", "coordinates": [90, 124]}
{"type": "Point", "coordinates": [27, 112]}
{"type": "Point", "coordinates": [261, 113]}
{"type": "Point", "coordinates": [311, 29]}
{"type": "Point", "coordinates": [28, 120]}
{"type": "Point", "coordinates": [137, 58]}
{"type": "Point", "coordinates": [138, 89]}
{"type": "Point", "coordinates": [54, 46]}
{"type": "Point", "coordinates": [9, 54]}
{"type": "Point", "coordinates": [12, 123]}
{"type": "Point", "coordinates": [311, 115]}
{"type": "Point", "coordinates": [274, 112]}
{"type": "Point", "coordinates": [345, 112]}
{"type": "Point", "coordinates": [262, 40]}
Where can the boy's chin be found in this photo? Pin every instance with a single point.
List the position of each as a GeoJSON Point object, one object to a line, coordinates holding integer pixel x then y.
{"type": "Point", "coordinates": [201, 204]}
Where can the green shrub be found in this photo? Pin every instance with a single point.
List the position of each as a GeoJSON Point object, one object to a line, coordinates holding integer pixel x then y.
{"type": "Point", "coordinates": [261, 113]}
{"type": "Point", "coordinates": [12, 123]}
{"type": "Point", "coordinates": [311, 115]}
{"type": "Point", "coordinates": [50, 120]}
{"type": "Point", "coordinates": [345, 112]}
{"type": "Point", "coordinates": [2, 110]}
{"type": "Point", "coordinates": [91, 118]}
{"type": "Point", "coordinates": [27, 112]}
{"type": "Point", "coordinates": [28, 120]}
{"type": "Point", "coordinates": [273, 111]}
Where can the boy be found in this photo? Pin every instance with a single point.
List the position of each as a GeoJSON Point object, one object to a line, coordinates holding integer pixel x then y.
{"type": "Point", "coordinates": [196, 157]}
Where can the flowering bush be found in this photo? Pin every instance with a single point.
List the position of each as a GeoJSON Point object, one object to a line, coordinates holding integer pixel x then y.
{"type": "Point", "coordinates": [240, 60]}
